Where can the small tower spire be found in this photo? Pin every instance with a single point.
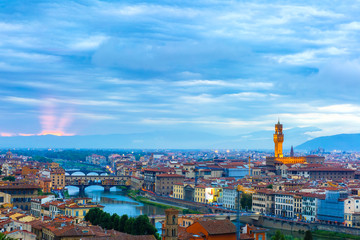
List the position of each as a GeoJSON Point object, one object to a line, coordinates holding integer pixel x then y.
{"type": "Point", "coordinates": [292, 151]}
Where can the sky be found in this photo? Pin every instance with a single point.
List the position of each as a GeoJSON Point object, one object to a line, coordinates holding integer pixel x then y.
{"type": "Point", "coordinates": [224, 67]}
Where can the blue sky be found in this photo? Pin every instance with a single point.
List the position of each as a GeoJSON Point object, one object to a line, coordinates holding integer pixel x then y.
{"type": "Point", "coordinates": [224, 67]}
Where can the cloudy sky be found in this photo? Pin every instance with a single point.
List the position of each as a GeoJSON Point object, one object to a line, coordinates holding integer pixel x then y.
{"type": "Point", "coordinates": [225, 67]}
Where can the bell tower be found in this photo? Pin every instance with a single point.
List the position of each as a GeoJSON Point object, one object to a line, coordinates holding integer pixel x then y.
{"type": "Point", "coordinates": [278, 139]}
{"type": "Point", "coordinates": [170, 227]}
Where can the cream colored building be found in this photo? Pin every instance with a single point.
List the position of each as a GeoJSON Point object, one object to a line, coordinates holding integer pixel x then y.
{"type": "Point", "coordinates": [178, 191]}
{"type": "Point", "coordinates": [263, 201]}
{"type": "Point", "coordinates": [199, 195]}
{"type": "Point", "coordinates": [352, 212]}
{"type": "Point", "coordinates": [298, 206]}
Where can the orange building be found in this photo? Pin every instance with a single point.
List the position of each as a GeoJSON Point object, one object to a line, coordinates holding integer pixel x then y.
{"type": "Point", "coordinates": [255, 232]}
{"type": "Point", "coordinates": [45, 185]}
{"type": "Point", "coordinates": [213, 230]}
{"type": "Point", "coordinates": [58, 178]}
{"type": "Point", "coordinates": [26, 170]}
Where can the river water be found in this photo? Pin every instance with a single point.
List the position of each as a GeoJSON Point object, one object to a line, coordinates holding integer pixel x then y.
{"type": "Point", "coordinates": [117, 202]}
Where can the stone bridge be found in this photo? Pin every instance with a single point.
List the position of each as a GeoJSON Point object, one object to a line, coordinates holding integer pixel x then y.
{"type": "Point", "coordinates": [85, 171]}
{"type": "Point", "coordinates": [105, 181]}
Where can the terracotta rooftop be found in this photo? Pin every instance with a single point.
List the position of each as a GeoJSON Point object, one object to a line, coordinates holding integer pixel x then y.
{"type": "Point", "coordinates": [170, 175]}
{"type": "Point", "coordinates": [216, 227]}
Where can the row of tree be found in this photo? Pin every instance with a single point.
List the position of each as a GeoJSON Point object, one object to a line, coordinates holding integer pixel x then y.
{"type": "Point", "coordinates": [280, 236]}
{"type": "Point", "coordinates": [134, 226]}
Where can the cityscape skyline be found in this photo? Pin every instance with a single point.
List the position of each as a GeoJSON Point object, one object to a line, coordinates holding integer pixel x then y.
{"type": "Point", "coordinates": [222, 67]}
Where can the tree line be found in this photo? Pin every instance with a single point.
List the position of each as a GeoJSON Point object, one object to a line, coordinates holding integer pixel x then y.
{"type": "Point", "coordinates": [280, 236]}
{"type": "Point", "coordinates": [135, 226]}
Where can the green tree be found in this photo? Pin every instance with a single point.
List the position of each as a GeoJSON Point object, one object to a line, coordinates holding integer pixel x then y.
{"type": "Point", "coordinates": [105, 220]}
{"type": "Point", "coordinates": [246, 201]}
{"type": "Point", "coordinates": [278, 236]}
{"type": "Point", "coordinates": [124, 218]}
{"type": "Point", "coordinates": [4, 237]}
{"type": "Point", "coordinates": [142, 226]}
{"type": "Point", "coordinates": [115, 219]}
{"type": "Point", "coordinates": [270, 186]}
{"type": "Point", "coordinates": [308, 235]}
{"type": "Point", "coordinates": [128, 228]}
{"type": "Point", "coordinates": [41, 159]}
{"type": "Point", "coordinates": [92, 214]}
{"type": "Point", "coordinates": [9, 178]}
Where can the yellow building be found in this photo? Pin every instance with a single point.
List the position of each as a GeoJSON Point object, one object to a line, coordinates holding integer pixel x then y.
{"type": "Point", "coordinates": [57, 177]}
{"type": "Point", "coordinates": [79, 209]}
{"type": "Point", "coordinates": [178, 191]}
{"type": "Point", "coordinates": [199, 195]}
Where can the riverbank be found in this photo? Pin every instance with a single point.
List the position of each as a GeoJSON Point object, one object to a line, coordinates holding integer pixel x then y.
{"type": "Point", "coordinates": [334, 235]}
{"type": "Point", "coordinates": [135, 196]}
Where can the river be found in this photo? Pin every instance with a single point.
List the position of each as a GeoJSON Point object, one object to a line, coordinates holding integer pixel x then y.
{"type": "Point", "coordinates": [117, 202]}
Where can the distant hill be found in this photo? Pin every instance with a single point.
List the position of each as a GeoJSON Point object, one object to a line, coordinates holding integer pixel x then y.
{"type": "Point", "coordinates": [160, 140]}
{"type": "Point", "coordinates": [345, 142]}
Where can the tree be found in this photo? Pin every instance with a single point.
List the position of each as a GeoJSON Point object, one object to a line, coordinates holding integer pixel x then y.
{"type": "Point", "coordinates": [246, 201]}
{"type": "Point", "coordinates": [278, 236]}
{"type": "Point", "coordinates": [135, 226]}
{"type": "Point", "coordinates": [128, 228]}
{"type": "Point", "coordinates": [104, 220]}
{"type": "Point", "coordinates": [9, 178]}
{"type": "Point", "coordinates": [124, 218]}
{"type": "Point", "coordinates": [92, 215]}
{"type": "Point", "coordinates": [308, 235]}
{"type": "Point", "coordinates": [270, 186]}
{"type": "Point", "coordinates": [4, 237]}
{"type": "Point", "coordinates": [115, 219]}
{"type": "Point", "coordinates": [142, 226]}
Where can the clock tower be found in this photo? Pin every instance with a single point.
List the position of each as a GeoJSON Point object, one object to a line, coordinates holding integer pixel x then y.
{"type": "Point", "coordinates": [278, 140]}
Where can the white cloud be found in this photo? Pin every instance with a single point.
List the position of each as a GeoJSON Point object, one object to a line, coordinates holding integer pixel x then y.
{"type": "Point", "coordinates": [310, 56]}
{"type": "Point", "coordinates": [94, 116]}
{"type": "Point", "coordinates": [89, 43]}
{"type": "Point", "coordinates": [25, 101]}
{"type": "Point", "coordinates": [8, 67]}
{"type": "Point", "coordinates": [353, 26]}
{"type": "Point", "coordinates": [341, 108]}
{"type": "Point", "coordinates": [238, 83]}
{"type": "Point", "coordinates": [8, 27]}
{"type": "Point", "coordinates": [29, 56]}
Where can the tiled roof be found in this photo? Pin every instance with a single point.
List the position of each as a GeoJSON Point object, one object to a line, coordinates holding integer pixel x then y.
{"type": "Point", "coordinates": [170, 175]}
{"type": "Point", "coordinates": [216, 227]}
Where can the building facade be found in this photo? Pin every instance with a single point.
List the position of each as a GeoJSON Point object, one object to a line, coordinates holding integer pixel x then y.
{"type": "Point", "coordinates": [309, 207]}
{"type": "Point", "coordinates": [330, 208]}
{"type": "Point", "coordinates": [165, 182]}
{"type": "Point", "coordinates": [229, 196]}
{"type": "Point", "coordinates": [284, 205]}
{"type": "Point", "coordinates": [57, 177]}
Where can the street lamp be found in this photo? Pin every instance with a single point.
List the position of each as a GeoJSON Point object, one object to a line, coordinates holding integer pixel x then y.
{"type": "Point", "coordinates": [238, 234]}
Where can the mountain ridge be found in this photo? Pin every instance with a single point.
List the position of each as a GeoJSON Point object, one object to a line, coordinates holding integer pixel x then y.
{"type": "Point", "coordinates": [160, 140]}
{"type": "Point", "coordinates": [344, 142]}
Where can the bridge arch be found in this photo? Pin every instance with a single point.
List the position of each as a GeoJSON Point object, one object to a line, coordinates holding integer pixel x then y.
{"type": "Point", "coordinates": [78, 173]}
